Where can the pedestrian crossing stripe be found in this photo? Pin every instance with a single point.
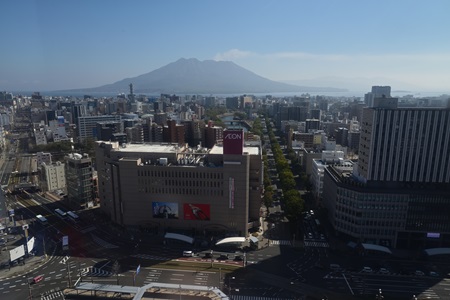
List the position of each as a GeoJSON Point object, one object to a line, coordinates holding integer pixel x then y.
{"type": "Point", "coordinates": [53, 295]}
{"type": "Point", "coordinates": [63, 261]}
{"type": "Point", "coordinates": [317, 244]}
{"type": "Point", "coordinates": [94, 272]}
{"type": "Point", "coordinates": [280, 242]}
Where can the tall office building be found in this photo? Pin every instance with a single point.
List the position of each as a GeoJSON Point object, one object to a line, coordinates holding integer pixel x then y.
{"type": "Point", "coordinates": [398, 195]}
{"type": "Point", "coordinates": [377, 92]}
{"type": "Point", "coordinates": [404, 144]}
{"type": "Point", "coordinates": [87, 125]}
{"type": "Point", "coordinates": [79, 179]}
{"type": "Point", "coordinates": [52, 177]}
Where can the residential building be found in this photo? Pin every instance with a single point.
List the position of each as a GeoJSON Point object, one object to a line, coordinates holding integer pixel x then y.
{"type": "Point", "coordinates": [52, 177]}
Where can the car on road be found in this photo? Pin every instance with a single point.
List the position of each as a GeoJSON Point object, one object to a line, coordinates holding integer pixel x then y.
{"type": "Point", "coordinates": [37, 279]}
{"type": "Point", "coordinates": [188, 253]}
{"type": "Point", "coordinates": [367, 270]}
{"type": "Point", "coordinates": [433, 274]}
{"type": "Point", "coordinates": [419, 273]}
{"type": "Point", "coordinates": [383, 271]}
{"type": "Point", "coordinates": [335, 267]}
{"type": "Point", "coordinates": [223, 257]}
{"type": "Point", "coordinates": [207, 255]}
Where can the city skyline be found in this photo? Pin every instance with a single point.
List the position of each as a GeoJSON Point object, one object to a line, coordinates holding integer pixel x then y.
{"type": "Point", "coordinates": [52, 45]}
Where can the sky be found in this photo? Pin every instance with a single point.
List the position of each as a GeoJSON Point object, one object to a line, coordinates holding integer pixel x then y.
{"type": "Point", "coordinates": [54, 44]}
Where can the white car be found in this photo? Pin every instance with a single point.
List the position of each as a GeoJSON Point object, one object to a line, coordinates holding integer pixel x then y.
{"type": "Point", "coordinates": [383, 271]}
{"type": "Point", "coordinates": [188, 253]}
{"type": "Point", "coordinates": [419, 273]}
{"type": "Point", "coordinates": [367, 270]}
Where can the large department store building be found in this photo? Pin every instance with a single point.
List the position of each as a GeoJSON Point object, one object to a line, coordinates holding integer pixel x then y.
{"type": "Point", "coordinates": [165, 187]}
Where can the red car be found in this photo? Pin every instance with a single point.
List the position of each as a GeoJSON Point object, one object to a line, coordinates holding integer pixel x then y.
{"type": "Point", "coordinates": [38, 279]}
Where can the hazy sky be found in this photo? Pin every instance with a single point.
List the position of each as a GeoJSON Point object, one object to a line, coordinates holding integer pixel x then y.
{"type": "Point", "coordinates": [48, 45]}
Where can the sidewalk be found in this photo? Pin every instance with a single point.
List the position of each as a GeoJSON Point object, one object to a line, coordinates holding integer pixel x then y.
{"type": "Point", "coordinates": [30, 265]}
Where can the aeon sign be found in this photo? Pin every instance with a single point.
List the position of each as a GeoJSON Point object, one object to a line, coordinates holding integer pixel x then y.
{"type": "Point", "coordinates": [233, 136]}
{"type": "Point", "coordinates": [233, 141]}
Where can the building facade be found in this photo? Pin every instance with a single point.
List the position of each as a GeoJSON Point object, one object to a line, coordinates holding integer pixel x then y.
{"type": "Point", "coordinates": [167, 186]}
{"type": "Point", "coordinates": [398, 194]}
{"type": "Point", "coordinates": [52, 177]}
{"type": "Point", "coordinates": [79, 179]}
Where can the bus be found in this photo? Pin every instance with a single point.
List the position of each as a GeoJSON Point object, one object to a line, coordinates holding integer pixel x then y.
{"type": "Point", "coordinates": [73, 216]}
{"type": "Point", "coordinates": [41, 219]}
{"type": "Point", "coordinates": [61, 214]}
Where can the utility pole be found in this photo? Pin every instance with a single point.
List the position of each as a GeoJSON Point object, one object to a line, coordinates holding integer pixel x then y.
{"type": "Point", "coordinates": [68, 272]}
{"type": "Point", "coordinates": [29, 289]}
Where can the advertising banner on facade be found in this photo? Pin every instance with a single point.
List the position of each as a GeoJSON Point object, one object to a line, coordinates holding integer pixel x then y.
{"type": "Point", "coordinates": [165, 210]}
{"type": "Point", "coordinates": [231, 192]}
{"type": "Point", "coordinates": [17, 252]}
{"type": "Point", "coordinates": [196, 211]}
{"type": "Point", "coordinates": [233, 141]}
{"type": "Point", "coordinates": [30, 244]}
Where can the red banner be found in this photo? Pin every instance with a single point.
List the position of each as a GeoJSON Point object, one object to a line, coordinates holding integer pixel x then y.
{"type": "Point", "coordinates": [194, 211]}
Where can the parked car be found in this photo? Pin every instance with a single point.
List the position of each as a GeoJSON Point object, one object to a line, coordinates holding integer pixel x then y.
{"type": "Point", "coordinates": [367, 270]}
{"type": "Point", "coordinates": [419, 273]}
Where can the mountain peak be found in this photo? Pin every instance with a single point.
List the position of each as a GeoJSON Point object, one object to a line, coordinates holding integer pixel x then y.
{"type": "Point", "coordinates": [188, 76]}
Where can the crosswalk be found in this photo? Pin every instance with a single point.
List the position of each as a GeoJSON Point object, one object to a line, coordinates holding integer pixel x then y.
{"type": "Point", "coordinates": [94, 272]}
{"type": "Point", "coordinates": [316, 244]}
{"type": "Point", "coordinates": [64, 260]}
{"type": "Point", "coordinates": [103, 243]}
{"type": "Point", "coordinates": [280, 242]}
{"type": "Point", "coordinates": [53, 295]}
{"type": "Point", "coordinates": [153, 276]}
{"type": "Point", "coordinates": [149, 257]}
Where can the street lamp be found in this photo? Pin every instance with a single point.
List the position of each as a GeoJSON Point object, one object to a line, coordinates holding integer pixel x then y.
{"type": "Point", "coordinates": [229, 285]}
{"type": "Point", "coordinates": [379, 296]}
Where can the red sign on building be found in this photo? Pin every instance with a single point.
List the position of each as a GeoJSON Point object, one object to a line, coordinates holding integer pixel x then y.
{"type": "Point", "coordinates": [233, 141]}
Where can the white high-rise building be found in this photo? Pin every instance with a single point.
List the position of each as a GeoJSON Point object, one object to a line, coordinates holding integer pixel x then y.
{"type": "Point", "coordinates": [53, 177]}
{"type": "Point", "coordinates": [404, 144]}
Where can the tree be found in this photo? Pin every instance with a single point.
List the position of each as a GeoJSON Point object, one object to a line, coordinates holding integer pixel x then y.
{"type": "Point", "coordinates": [294, 204]}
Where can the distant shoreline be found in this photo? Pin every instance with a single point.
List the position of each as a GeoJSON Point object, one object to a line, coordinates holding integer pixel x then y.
{"type": "Point", "coordinates": [346, 94]}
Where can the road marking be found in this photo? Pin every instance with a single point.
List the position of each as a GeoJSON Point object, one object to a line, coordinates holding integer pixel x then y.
{"type": "Point", "coordinates": [52, 272]}
{"type": "Point", "coordinates": [13, 286]}
{"type": "Point", "coordinates": [176, 279]}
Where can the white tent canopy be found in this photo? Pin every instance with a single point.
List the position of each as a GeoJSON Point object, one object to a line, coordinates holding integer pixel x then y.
{"type": "Point", "coordinates": [236, 239]}
{"type": "Point", "coordinates": [180, 237]}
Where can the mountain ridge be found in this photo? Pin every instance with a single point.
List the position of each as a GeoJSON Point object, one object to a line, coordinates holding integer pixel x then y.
{"type": "Point", "coordinates": [187, 76]}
